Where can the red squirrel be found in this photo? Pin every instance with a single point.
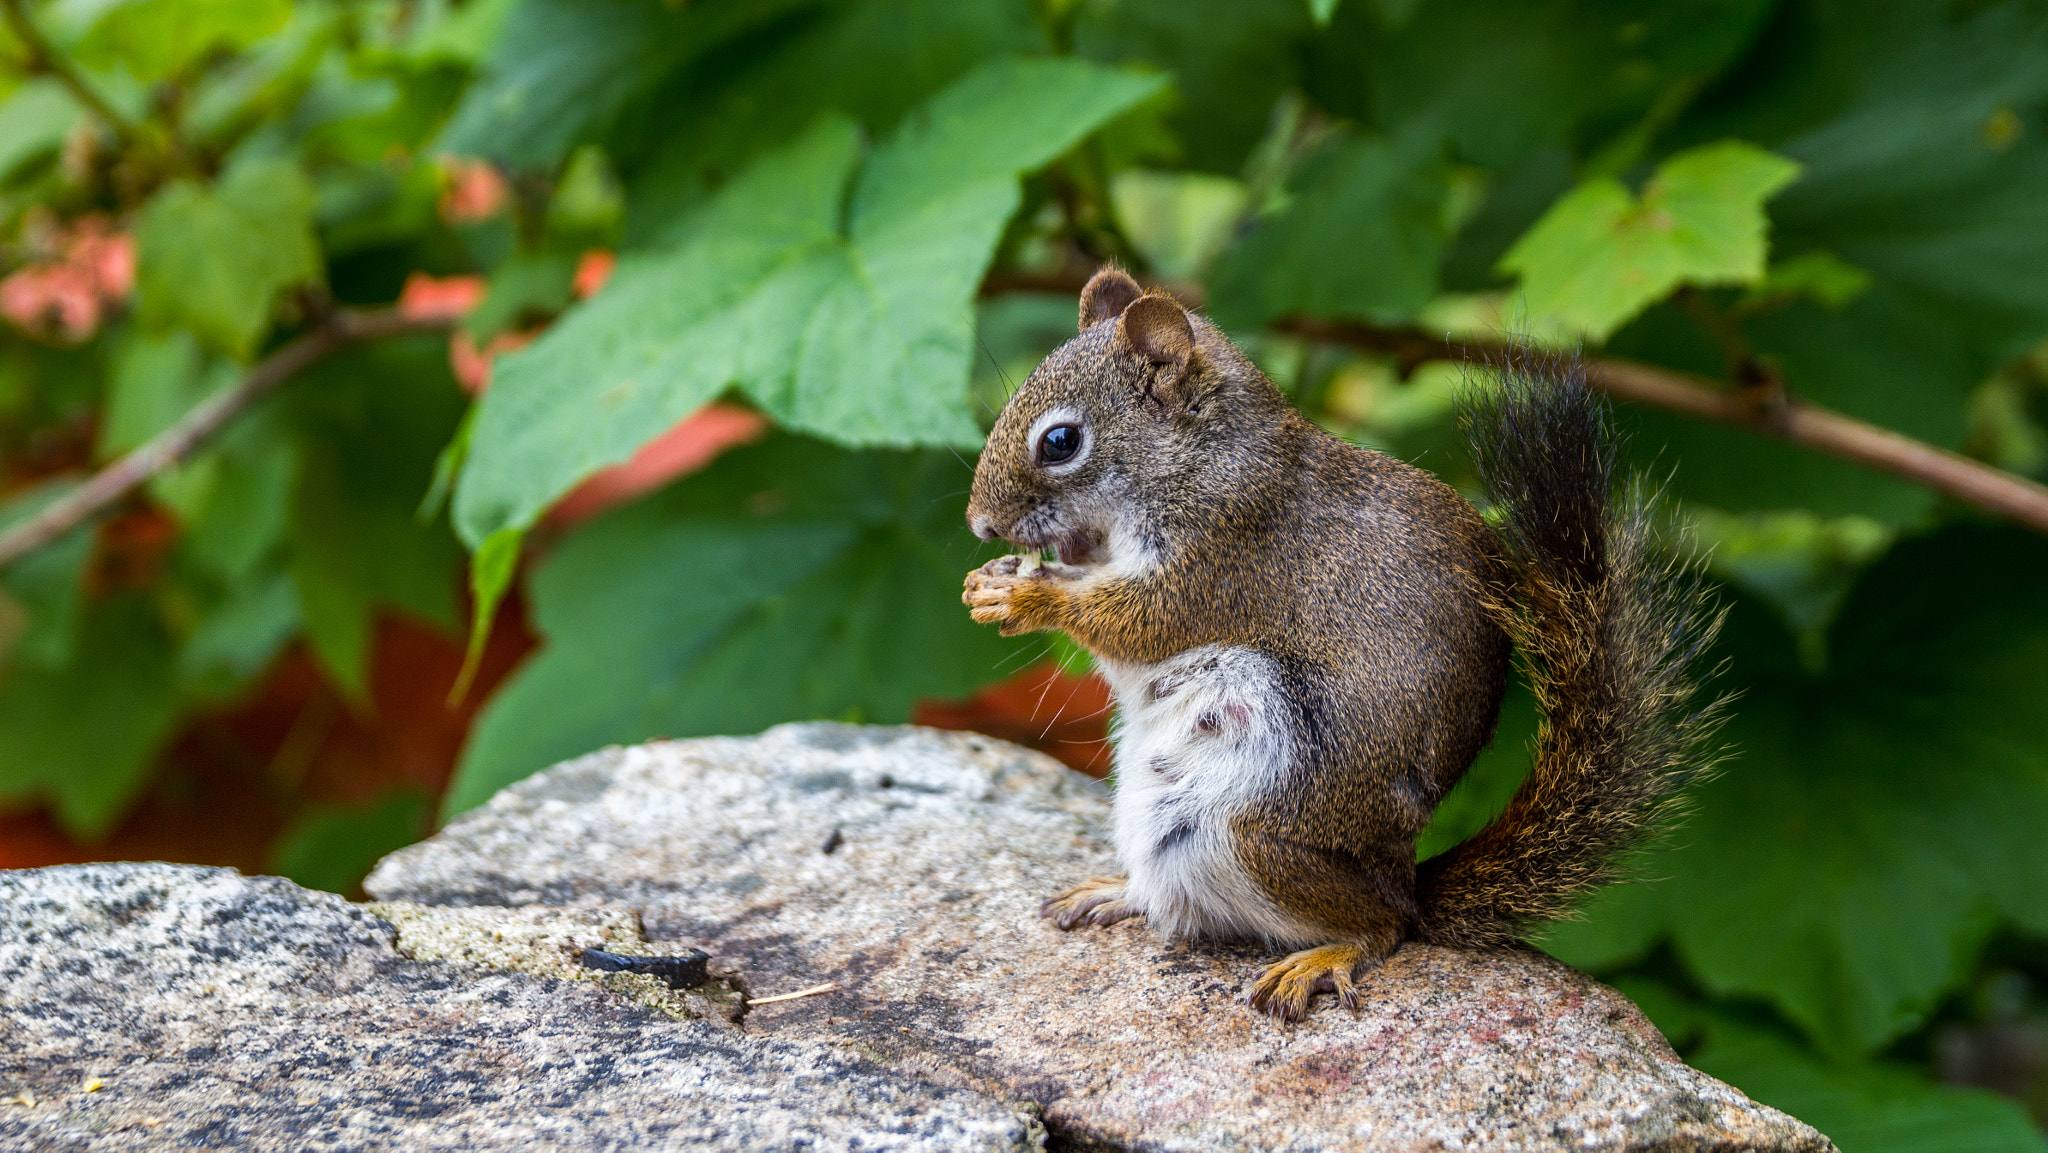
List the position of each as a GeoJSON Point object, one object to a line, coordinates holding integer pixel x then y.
{"type": "Point", "coordinates": [1308, 643]}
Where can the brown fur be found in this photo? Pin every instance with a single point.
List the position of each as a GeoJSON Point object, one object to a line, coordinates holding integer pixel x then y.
{"type": "Point", "coordinates": [1378, 590]}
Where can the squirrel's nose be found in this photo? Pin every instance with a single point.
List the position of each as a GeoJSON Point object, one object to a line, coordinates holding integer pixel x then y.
{"type": "Point", "coordinates": [983, 527]}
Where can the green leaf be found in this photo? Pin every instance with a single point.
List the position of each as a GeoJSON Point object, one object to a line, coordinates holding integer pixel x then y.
{"type": "Point", "coordinates": [463, 35]}
{"type": "Point", "coordinates": [214, 260]}
{"type": "Point", "coordinates": [82, 737]}
{"type": "Point", "coordinates": [333, 847]}
{"type": "Point", "coordinates": [1822, 276]}
{"type": "Point", "coordinates": [1362, 237]}
{"type": "Point", "coordinates": [561, 70]}
{"type": "Point", "coordinates": [1491, 780]}
{"type": "Point", "coordinates": [233, 497]}
{"type": "Point", "coordinates": [41, 594]}
{"type": "Point", "coordinates": [859, 330]}
{"type": "Point", "coordinates": [791, 580]}
{"type": "Point", "coordinates": [240, 636]}
{"type": "Point", "coordinates": [1502, 80]}
{"type": "Point", "coordinates": [1178, 221]}
{"type": "Point", "coordinates": [525, 287]}
{"type": "Point", "coordinates": [703, 126]}
{"type": "Point", "coordinates": [1321, 11]}
{"type": "Point", "coordinates": [1229, 59]}
{"type": "Point", "coordinates": [1601, 255]}
{"type": "Point", "coordinates": [157, 39]}
{"type": "Point", "coordinates": [587, 199]}
{"type": "Point", "coordinates": [1881, 816]}
{"type": "Point", "coordinates": [34, 119]}
{"type": "Point", "coordinates": [490, 577]}
{"type": "Point", "coordinates": [334, 605]}
{"type": "Point", "coordinates": [1865, 1107]}
{"type": "Point", "coordinates": [247, 504]}
{"type": "Point", "coordinates": [156, 380]}
{"type": "Point", "coordinates": [1907, 177]}
{"type": "Point", "coordinates": [369, 424]}
{"type": "Point", "coordinates": [1869, 1108]}
{"type": "Point", "coordinates": [1887, 108]}
{"type": "Point", "coordinates": [1800, 564]}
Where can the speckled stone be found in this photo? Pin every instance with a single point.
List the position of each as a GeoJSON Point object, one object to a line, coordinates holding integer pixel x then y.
{"type": "Point", "coordinates": [906, 867]}
{"type": "Point", "coordinates": [166, 1006]}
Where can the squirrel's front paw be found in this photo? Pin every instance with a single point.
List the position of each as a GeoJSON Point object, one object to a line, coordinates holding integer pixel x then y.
{"type": "Point", "coordinates": [1096, 901]}
{"type": "Point", "coordinates": [991, 592]}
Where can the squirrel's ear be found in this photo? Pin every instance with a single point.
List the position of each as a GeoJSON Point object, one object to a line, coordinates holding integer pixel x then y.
{"type": "Point", "coordinates": [1156, 327]}
{"type": "Point", "coordinates": [1109, 292]}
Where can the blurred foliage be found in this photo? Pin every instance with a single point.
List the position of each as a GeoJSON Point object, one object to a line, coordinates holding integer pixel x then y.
{"type": "Point", "coordinates": [830, 211]}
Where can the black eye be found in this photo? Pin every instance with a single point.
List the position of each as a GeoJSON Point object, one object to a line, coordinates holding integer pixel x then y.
{"type": "Point", "coordinates": [1058, 443]}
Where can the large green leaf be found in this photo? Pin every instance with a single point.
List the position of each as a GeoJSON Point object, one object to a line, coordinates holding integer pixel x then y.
{"type": "Point", "coordinates": [1361, 237]}
{"type": "Point", "coordinates": [1881, 815]}
{"type": "Point", "coordinates": [1865, 1106]}
{"type": "Point", "coordinates": [846, 316]}
{"type": "Point", "coordinates": [1602, 254]}
{"type": "Point", "coordinates": [1230, 60]}
{"type": "Point", "coordinates": [872, 60]}
{"type": "Point", "coordinates": [1910, 120]}
{"type": "Point", "coordinates": [1502, 79]}
{"type": "Point", "coordinates": [158, 39]}
{"type": "Point", "coordinates": [1929, 175]}
{"type": "Point", "coordinates": [792, 580]}
{"type": "Point", "coordinates": [214, 259]}
{"type": "Point", "coordinates": [562, 69]}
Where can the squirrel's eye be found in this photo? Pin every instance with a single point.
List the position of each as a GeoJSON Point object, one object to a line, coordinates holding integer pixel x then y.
{"type": "Point", "coordinates": [1058, 443]}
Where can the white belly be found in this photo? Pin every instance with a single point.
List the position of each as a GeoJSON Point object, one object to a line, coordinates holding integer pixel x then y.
{"type": "Point", "coordinates": [1199, 737]}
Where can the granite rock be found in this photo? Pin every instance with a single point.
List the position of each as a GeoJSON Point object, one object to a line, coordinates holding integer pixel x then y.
{"type": "Point", "coordinates": [157, 1006]}
{"type": "Point", "coordinates": [905, 867]}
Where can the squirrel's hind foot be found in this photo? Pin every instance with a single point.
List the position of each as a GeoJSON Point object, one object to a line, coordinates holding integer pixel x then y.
{"type": "Point", "coordinates": [1286, 985]}
{"type": "Point", "coordinates": [1096, 901]}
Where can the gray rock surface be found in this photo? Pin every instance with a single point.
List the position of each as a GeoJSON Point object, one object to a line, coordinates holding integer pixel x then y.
{"type": "Point", "coordinates": [165, 1006]}
{"type": "Point", "coordinates": [905, 867]}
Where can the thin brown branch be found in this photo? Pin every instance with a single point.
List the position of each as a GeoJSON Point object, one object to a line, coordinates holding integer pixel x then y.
{"type": "Point", "coordinates": [44, 58]}
{"type": "Point", "coordinates": [1763, 411]}
{"type": "Point", "coordinates": [117, 480]}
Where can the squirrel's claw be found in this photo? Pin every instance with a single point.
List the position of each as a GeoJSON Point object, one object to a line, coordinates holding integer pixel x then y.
{"type": "Point", "coordinates": [1285, 987]}
{"type": "Point", "coordinates": [1096, 901]}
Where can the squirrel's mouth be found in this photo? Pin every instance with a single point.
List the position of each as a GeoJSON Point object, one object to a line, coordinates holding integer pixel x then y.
{"type": "Point", "coordinates": [1068, 547]}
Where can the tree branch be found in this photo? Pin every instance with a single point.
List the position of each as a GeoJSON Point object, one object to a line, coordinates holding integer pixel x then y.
{"type": "Point", "coordinates": [114, 482]}
{"type": "Point", "coordinates": [44, 57]}
{"type": "Point", "coordinates": [1765, 411]}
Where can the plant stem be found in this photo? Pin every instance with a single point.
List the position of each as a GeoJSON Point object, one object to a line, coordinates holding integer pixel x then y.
{"type": "Point", "coordinates": [1766, 412]}
{"type": "Point", "coordinates": [44, 57]}
{"type": "Point", "coordinates": [114, 482]}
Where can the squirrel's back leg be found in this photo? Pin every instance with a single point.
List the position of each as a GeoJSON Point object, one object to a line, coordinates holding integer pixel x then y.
{"type": "Point", "coordinates": [1358, 905]}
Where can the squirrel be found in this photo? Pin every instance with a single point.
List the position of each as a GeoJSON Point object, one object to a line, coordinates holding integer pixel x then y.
{"type": "Point", "coordinates": [1308, 643]}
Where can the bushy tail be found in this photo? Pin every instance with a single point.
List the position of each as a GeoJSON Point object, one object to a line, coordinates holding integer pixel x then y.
{"type": "Point", "coordinates": [1611, 633]}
